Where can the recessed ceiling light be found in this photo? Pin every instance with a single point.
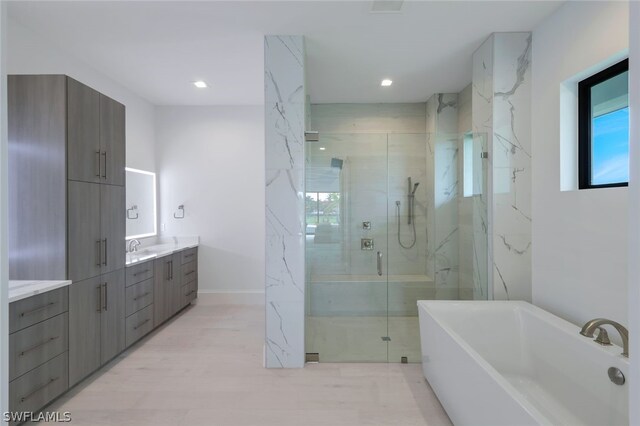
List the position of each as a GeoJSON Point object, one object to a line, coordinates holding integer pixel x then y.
{"type": "Point", "coordinates": [200, 84]}
{"type": "Point", "coordinates": [386, 82]}
{"type": "Point", "coordinates": [322, 148]}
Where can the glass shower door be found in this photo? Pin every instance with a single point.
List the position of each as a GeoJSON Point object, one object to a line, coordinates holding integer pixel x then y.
{"type": "Point", "coordinates": [347, 248]}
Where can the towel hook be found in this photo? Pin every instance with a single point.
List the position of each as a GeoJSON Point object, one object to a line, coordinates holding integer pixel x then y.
{"type": "Point", "coordinates": [131, 210]}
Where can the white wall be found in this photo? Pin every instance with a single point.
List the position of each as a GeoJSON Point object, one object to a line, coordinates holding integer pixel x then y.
{"type": "Point", "coordinates": [634, 212]}
{"type": "Point", "coordinates": [28, 53]}
{"type": "Point", "coordinates": [211, 159]}
{"type": "Point", "coordinates": [579, 237]}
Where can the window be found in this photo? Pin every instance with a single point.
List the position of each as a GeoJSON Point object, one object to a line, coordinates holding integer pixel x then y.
{"type": "Point", "coordinates": [603, 128]}
{"type": "Point", "coordinates": [321, 208]}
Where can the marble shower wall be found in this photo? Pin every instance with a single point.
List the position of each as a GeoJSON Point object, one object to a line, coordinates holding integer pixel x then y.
{"type": "Point", "coordinates": [501, 118]}
{"type": "Point", "coordinates": [443, 147]}
{"type": "Point", "coordinates": [285, 102]}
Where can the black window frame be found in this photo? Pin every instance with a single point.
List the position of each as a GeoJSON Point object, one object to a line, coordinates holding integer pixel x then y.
{"type": "Point", "coordinates": [585, 124]}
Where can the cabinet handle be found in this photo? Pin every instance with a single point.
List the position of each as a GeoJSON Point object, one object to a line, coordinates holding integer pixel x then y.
{"type": "Point", "coordinates": [189, 273]}
{"type": "Point", "coordinates": [49, 340]}
{"type": "Point", "coordinates": [190, 293]}
{"type": "Point", "coordinates": [105, 252]}
{"type": "Point", "coordinates": [104, 158]}
{"type": "Point", "coordinates": [33, 311]}
{"type": "Point", "coordinates": [189, 255]}
{"type": "Point", "coordinates": [141, 324]}
{"type": "Point", "coordinates": [170, 270]}
{"type": "Point", "coordinates": [98, 164]}
{"type": "Point", "coordinates": [99, 253]}
{"type": "Point", "coordinates": [99, 298]}
{"type": "Point", "coordinates": [140, 273]}
{"type": "Point", "coordinates": [141, 296]}
{"type": "Point", "coordinates": [106, 296]}
{"type": "Point", "coordinates": [379, 259]}
{"type": "Point", "coordinates": [38, 389]}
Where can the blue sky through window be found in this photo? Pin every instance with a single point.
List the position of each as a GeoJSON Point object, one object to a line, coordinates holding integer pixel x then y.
{"type": "Point", "coordinates": [610, 148]}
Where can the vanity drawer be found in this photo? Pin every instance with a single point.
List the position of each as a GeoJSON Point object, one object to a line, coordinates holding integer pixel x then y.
{"type": "Point", "coordinates": [33, 346]}
{"type": "Point", "coordinates": [139, 296]}
{"type": "Point", "coordinates": [34, 309]}
{"type": "Point", "coordinates": [37, 388]}
{"type": "Point", "coordinates": [139, 324]}
{"type": "Point", "coordinates": [189, 272]}
{"type": "Point", "coordinates": [140, 272]}
{"type": "Point", "coordinates": [189, 255]}
{"type": "Point", "coordinates": [189, 292]}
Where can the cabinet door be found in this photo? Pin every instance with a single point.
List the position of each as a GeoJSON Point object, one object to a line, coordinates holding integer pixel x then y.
{"type": "Point", "coordinates": [83, 133]}
{"type": "Point", "coordinates": [113, 316]}
{"type": "Point", "coordinates": [176, 283]}
{"type": "Point", "coordinates": [113, 227]}
{"type": "Point", "coordinates": [161, 287]}
{"type": "Point", "coordinates": [112, 141]}
{"type": "Point", "coordinates": [85, 308]}
{"type": "Point", "coordinates": [85, 237]}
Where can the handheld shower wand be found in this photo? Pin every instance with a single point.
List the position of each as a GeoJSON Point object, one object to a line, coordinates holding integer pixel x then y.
{"type": "Point", "coordinates": [411, 198]}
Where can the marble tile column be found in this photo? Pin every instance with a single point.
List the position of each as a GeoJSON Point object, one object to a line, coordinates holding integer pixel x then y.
{"type": "Point", "coordinates": [285, 104]}
{"type": "Point", "coordinates": [501, 104]}
{"type": "Point", "coordinates": [443, 186]}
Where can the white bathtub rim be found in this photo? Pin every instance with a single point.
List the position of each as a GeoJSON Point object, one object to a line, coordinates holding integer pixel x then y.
{"type": "Point", "coordinates": [499, 378]}
{"type": "Point", "coordinates": [570, 329]}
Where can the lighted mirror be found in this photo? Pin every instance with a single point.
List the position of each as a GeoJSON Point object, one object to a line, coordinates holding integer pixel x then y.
{"type": "Point", "coordinates": [141, 203]}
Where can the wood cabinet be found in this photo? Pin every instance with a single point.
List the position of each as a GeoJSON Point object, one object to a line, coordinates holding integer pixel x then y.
{"type": "Point", "coordinates": [64, 138]}
{"type": "Point", "coordinates": [96, 323]}
{"type": "Point", "coordinates": [85, 300]}
{"type": "Point", "coordinates": [162, 290]}
{"type": "Point", "coordinates": [113, 227]}
{"type": "Point", "coordinates": [139, 301]}
{"type": "Point", "coordinates": [83, 132]}
{"type": "Point", "coordinates": [38, 350]}
{"type": "Point", "coordinates": [112, 333]}
{"type": "Point", "coordinates": [96, 229]}
{"type": "Point", "coordinates": [112, 137]}
{"type": "Point", "coordinates": [96, 136]}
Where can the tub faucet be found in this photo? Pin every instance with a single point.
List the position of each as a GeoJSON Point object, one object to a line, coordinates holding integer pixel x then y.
{"type": "Point", "coordinates": [591, 326]}
{"type": "Point", "coordinates": [133, 245]}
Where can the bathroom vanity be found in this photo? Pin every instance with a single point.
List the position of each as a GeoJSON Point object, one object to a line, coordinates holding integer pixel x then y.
{"type": "Point", "coordinates": [58, 337]}
{"type": "Point", "coordinates": [68, 215]}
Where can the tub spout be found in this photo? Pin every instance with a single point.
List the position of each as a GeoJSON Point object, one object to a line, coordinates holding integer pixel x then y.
{"type": "Point", "coordinates": [591, 326]}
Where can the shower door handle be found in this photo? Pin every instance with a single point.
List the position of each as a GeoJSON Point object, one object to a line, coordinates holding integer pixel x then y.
{"type": "Point", "coordinates": [379, 256]}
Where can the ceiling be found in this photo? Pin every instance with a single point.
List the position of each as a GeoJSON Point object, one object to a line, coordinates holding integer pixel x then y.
{"type": "Point", "coordinates": [157, 48]}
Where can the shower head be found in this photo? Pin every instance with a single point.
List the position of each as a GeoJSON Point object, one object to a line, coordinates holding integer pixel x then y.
{"type": "Point", "coordinates": [415, 187]}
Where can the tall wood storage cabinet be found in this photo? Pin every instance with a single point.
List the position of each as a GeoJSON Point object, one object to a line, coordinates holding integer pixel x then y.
{"type": "Point", "coordinates": [67, 206]}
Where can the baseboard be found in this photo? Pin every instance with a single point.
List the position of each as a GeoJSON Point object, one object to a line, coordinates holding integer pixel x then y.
{"type": "Point", "coordinates": [231, 297]}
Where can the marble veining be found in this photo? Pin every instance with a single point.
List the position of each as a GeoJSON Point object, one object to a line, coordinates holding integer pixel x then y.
{"type": "Point", "coordinates": [285, 104]}
{"type": "Point", "coordinates": [501, 111]}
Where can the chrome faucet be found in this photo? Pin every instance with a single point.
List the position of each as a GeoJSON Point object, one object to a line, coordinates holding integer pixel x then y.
{"type": "Point", "coordinates": [133, 245]}
{"type": "Point", "coordinates": [591, 326]}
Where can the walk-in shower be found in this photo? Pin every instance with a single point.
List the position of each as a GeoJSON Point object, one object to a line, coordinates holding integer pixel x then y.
{"type": "Point", "coordinates": [411, 197]}
{"type": "Point", "coordinates": [381, 234]}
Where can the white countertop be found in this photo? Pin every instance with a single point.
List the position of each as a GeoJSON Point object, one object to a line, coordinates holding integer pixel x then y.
{"type": "Point", "coordinates": [19, 289]}
{"type": "Point", "coordinates": [158, 250]}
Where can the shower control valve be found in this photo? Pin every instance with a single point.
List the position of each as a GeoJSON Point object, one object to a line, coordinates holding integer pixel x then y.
{"type": "Point", "coordinates": [366, 225]}
{"type": "Point", "coordinates": [366, 244]}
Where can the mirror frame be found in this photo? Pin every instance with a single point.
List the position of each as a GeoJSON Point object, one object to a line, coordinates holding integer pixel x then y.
{"type": "Point", "coordinates": [155, 205]}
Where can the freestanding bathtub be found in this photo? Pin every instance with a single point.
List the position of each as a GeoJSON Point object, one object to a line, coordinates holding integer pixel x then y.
{"type": "Point", "coordinates": [511, 363]}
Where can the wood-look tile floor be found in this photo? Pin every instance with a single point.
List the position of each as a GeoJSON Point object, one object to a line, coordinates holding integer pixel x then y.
{"type": "Point", "coordinates": [205, 368]}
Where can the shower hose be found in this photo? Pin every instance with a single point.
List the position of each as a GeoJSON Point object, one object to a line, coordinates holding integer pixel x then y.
{"type": "Point", "coordinates": [413, 224]}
